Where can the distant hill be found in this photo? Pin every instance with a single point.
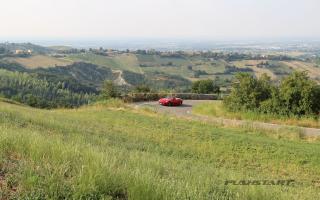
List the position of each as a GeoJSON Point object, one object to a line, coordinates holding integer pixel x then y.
{"type": "Point", "coordinates": [26, 46]}
{"type": "Point", "coordinates": [82, 70]}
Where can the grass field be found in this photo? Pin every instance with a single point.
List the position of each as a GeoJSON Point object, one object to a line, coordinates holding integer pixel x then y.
{"type": "Point", "coordinates": [40, 61]}
{"type": "Point", "coordinates": [216, 109]}
{"type": "Point", "coordinates": [115, 152]}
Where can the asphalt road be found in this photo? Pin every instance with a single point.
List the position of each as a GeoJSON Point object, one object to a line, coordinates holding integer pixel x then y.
{"type": "Point", "coordinates": [185, 111]}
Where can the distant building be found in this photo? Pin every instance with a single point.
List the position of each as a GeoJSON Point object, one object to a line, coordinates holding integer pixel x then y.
{"type": "Point", "coordinates": [20, 51]}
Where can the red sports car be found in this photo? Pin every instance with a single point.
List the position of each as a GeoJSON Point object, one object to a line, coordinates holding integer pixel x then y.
{"type": "Point", "coordinates": [171, 101]}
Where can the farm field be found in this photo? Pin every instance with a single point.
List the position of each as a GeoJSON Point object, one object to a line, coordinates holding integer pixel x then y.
{"type": "Point", "coordinates": [38, 61]}
{"type": "Point", "coordinates": [314, 72]}
{"type": "Point", "coordinates": [111, 151]}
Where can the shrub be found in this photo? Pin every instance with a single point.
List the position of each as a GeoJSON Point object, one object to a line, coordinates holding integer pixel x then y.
{"type": "Point", "coordinates": [109, 90]}
{"type": "Point", "coordinates": [296, 95]}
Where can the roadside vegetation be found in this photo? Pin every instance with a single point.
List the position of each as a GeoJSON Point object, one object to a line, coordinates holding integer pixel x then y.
{"type": "Point", "coordinates": [217, 109]}
{"type": "Point", "coordinates": [296, 95]}
{"type": "Point", "coordinates": [111, 151]}
{"type": "Point", "coordinates": [295, 101]}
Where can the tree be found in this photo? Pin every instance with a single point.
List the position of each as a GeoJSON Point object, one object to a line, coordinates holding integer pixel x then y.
{"type": "Point", "coordinates": [205, 87]}
{"type": "Point", "coordinates": [299, 94]}
{"type": "Point", "coordinates": [109, 90]}
{"type": "Point", "coordinates": [248, 92]}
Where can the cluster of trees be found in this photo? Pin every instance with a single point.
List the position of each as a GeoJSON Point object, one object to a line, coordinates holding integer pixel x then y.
{"type": "Point", "coordinates": [296, 95]}
{"type": "Point", "coordinates": [29, 90]}
{"type": "Point", "coordinates": [109, 90]}
{"type": "Point", "coordinates": [205, 87]}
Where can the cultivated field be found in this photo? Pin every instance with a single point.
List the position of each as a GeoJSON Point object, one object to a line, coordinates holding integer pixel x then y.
{"type": "Point", "coordinates": [110, 151]}
{"type": "Point", "coordinates": [38, 61]}
{"type": "Point", "coordinates": [314, 72]}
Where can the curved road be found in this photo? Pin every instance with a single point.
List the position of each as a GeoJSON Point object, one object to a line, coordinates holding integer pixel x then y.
{"type": "Point", "coordinates": [185, 111]}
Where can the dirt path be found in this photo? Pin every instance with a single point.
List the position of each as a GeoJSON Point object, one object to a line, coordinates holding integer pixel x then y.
{"type": "Point", "coordinates": [185, 111]}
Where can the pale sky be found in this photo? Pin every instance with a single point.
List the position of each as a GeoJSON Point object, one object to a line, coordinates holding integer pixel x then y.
{"type": "Point", "coordinates": [210, 19]}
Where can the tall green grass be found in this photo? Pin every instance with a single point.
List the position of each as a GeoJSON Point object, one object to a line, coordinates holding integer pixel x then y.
{"type": "Point", "coordinates": [216, 109]}
{"type": "Point", "coordinates": [98, 152]}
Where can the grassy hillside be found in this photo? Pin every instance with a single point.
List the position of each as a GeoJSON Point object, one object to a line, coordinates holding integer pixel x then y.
{"type": "Point", "coordinates": [114, 152]}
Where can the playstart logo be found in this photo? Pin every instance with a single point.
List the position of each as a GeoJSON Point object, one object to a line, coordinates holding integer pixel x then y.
{"type": "Point", "coordinates": [260, 182]}
{"type": "Point", "coordinates": [288, 182]}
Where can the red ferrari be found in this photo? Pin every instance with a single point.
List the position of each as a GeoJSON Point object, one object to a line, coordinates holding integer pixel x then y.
{"type": "Point", "coordinates": [171, 101]}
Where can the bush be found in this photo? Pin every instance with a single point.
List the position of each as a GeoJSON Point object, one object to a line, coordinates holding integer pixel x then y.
{"type": "Point", "coordinates": [296, 95]}
{"type": "Point", "coordinates": [109, 90]}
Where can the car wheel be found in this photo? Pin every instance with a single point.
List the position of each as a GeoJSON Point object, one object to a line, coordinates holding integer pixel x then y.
{"type": "Point", "coordinates": [170, 104]}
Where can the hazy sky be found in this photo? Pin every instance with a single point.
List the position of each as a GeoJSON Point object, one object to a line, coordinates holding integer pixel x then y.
{"type": "Point", "coordinates": [210, 19]}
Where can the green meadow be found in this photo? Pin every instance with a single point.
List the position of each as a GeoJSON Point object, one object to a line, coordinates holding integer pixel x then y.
{"type": "Point", "coordinates": [112, 151]}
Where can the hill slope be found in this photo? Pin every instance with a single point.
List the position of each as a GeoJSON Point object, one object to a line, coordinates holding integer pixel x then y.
{"type": "Point", "coordinates": [38, 61]}
{"type": "Point", "coordinates": [115, 152]}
